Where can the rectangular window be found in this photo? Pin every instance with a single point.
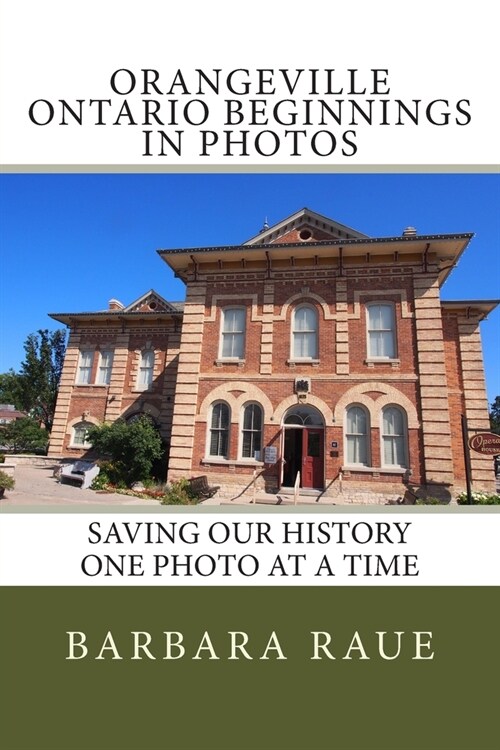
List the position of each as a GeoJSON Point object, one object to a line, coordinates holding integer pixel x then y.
{"type": "Point", "coordinates": [105, 366]}
{"type": "Point", "coordinates": [305, 323]}
{"type": "Point", "coordinates": [146, 368]}
{"type": "Point", "coordinates": [233, 333]}
{"type": "Point", "coordinates": [84, 374]}
{"type": "Point", "coordinates": [381, 331]}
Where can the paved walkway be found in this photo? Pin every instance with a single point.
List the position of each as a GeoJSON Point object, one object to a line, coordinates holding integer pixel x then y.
{"type": "Point", "coordinates": [35, 485]}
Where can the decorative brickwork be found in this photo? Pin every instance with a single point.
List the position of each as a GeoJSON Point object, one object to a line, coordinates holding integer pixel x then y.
{"type": "Point", "coordinates": [311, 350]}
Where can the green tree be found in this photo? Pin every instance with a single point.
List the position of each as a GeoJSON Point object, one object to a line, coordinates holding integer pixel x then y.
{"type": "Point", "coordinates": [10, 389]}
{"type": "Point", "coordinates": [24, 436]}
{"type": "Point", "coordinates": [132, 446]}
{"type": "Point", "coordinates": [495, 416]}
{"type": "Point", "coordinates": [34, 388]}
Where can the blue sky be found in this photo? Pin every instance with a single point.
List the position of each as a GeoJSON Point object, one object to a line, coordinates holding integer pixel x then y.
{"type": "Point", "coordinates": [70, 242]}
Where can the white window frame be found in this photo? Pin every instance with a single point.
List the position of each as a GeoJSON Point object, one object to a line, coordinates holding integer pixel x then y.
{"type": "Point", "coordinates": [104, 370]}
{"type": "Point", "coordinates": [392, 330]}
{"type": "Point", "coordinates": [145, 368]}
{"type": "Point", "coordinates": [253, 432]}
{"type": "Point", "coordinates": [403, 437]}
{"type": "Point", "coordinates": [239, 334]}
{"type": "Point", "coordinates": [314, 333]}
{"type": "Point", "coordinates": [85, 368]}
{"type": "Point", "coordinates": [74, 429]}
{"type": "Point", "coordinates": [219, 430]}
{"type": "Point", "coordinates": [366, 435]}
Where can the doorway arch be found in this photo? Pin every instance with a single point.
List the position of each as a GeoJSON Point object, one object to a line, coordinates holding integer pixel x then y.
{"type": "Point", "coordinates": [303, 447]}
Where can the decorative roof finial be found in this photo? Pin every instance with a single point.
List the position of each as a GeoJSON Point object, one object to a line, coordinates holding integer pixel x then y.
{"type": "Point", "coordinates": [266, 225]}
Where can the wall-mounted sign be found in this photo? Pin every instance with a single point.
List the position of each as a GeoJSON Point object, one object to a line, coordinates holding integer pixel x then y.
{"type": "Point", "coordinates": [270, 454]}
{"type": "Point", "coordinates": [486, 443]}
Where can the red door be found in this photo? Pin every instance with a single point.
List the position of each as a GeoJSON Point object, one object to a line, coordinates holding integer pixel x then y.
{"type": "Point", "coordinates": [312, 458]}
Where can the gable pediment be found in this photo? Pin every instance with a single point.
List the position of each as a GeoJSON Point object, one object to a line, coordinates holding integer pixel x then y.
{"type": "Point", "coordinates": [304, 226]}
{"type": "Point", "coordinates": [150, 302]}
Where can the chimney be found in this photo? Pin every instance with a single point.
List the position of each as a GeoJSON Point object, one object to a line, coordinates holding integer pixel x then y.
{"type": "Point", "coordinates": [410, 232]}
{"type": "Point", "coordinates": [115, 304]}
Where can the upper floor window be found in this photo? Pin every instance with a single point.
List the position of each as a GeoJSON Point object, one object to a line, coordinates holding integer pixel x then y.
{"type": "Point", "coordinates": [219, 430]}
{"type": "Point", "coordinates": [84, 374]}
{"type": "Point", "coordinates": [233, 333]}
{"type": "Point", "coordinates": [394, 451]}
{"type": "Point", "coordinates": [357, 451]}
{"type": "Point", "coordinates": [146, 368]}
{"type": "Point", "coordinates": [105, 366]}
{"type": "Point", "coordinates": [304, 333]}
{"type": "Point", "coordinates": [251, 433]}
{"type": "Point", "coordinates": [381, 331]}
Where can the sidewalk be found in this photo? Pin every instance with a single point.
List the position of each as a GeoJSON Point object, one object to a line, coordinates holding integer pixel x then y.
{"type": "Point", "coordinates": [35, 485]}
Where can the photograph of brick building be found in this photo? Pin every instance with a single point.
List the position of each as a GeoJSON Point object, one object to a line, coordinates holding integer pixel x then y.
{"type": "Point", "coordinates": [310, 354]}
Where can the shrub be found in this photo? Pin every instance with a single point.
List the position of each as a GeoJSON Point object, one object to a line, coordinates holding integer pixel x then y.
{"type": "Point", "coordinates": [479, 498]}
{"type": "Point", "coordinates": [430, 501]}
{"type": "Point", "coordinates": [110, 476]}
{"type": "Point", "coordinates": [2, 458]}
{"type": "Point", "coordinates": [133, 447]}
{"type": "Point", "coordinates": [179, 493]}
{"type": "Point", "coordinates": [6, 481]}
{"type": "Point", "coordinates": [25, 436]}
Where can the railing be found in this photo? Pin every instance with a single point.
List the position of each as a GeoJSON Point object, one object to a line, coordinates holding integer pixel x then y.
{"type": "Point", "coordinates": [296, 487]}
{"type": "Point", "coordinates": [254, 482]}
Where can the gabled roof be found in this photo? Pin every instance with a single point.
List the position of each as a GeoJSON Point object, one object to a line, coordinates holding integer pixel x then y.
{"type": "Point", "coordinates": [150, 305]}
{"type": "Point", "coordinates": [150, 301]}
{"type": "Point", "coordinates": [305, 219]}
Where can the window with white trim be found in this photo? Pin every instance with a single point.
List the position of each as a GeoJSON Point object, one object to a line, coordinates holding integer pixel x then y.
{"type": "Point", "coordinates": [251, 431]}
{"type": "Point", "coordinates": [84, 373]}
{"type": "Point", "coordinates": [304, 333]}
{"type": "Point", "coordinates": [232, 345]}
{"type": "Point", "coordinates": [79, 435]}
{"type": "Point", "coordinates": [381, 331]}
{"type": "Point", "coordinates": [146, 369]}
{"type": "Point", "coordinates": [356, 436]}
{"type": "Point", "coordinates": [394, 437]}
{"type": "Point", "coordinates": [219, 430]}
{"type": "Point", "coordinates": [105, 367]}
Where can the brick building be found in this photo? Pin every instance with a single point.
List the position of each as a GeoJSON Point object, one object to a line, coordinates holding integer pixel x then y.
{"type": "Point", "coordinates": [309, 348]}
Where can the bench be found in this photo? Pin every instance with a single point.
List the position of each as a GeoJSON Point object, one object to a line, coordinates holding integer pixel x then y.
{"type": "Point", "coordinates": [199, 486]}
{"type": "Point", "coordinates": [83, 472]}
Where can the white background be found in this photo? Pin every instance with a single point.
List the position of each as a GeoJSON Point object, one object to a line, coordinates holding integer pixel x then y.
{"type": "Point", "coordinates": [452, 549]}
{"type": "Point", "coordinates": [59, 50]}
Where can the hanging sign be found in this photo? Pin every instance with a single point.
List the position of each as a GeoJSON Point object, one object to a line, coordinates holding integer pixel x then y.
{"type": "Point", "coordinates": [486, 443]}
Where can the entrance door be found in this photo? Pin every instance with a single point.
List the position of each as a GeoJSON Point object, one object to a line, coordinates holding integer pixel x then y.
{"type": "Point", "coordinates": [312, 458]}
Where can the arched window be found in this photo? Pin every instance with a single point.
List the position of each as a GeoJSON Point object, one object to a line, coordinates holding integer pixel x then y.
{"type": "Point", "coordinates": [356, 435]}
{"type": "Point", "coordinates": [381, 331]}
{"type": "Point", "coordinates": [394, 441]}
{"type": "Point", "coordinates": [79, 435]}
{"type": "Point", "coordinates": [233, 333]}
{"type": "Point", "coordinates": [219, 430]}
{"type": "Point", "coordinates": [307, 416]}
{"type": "Point", "coordinates": [304, 333]}
{"type": "Point", "coordinates": [251, 431]}
{"type": "Point", "coordinates": [146, 369]}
